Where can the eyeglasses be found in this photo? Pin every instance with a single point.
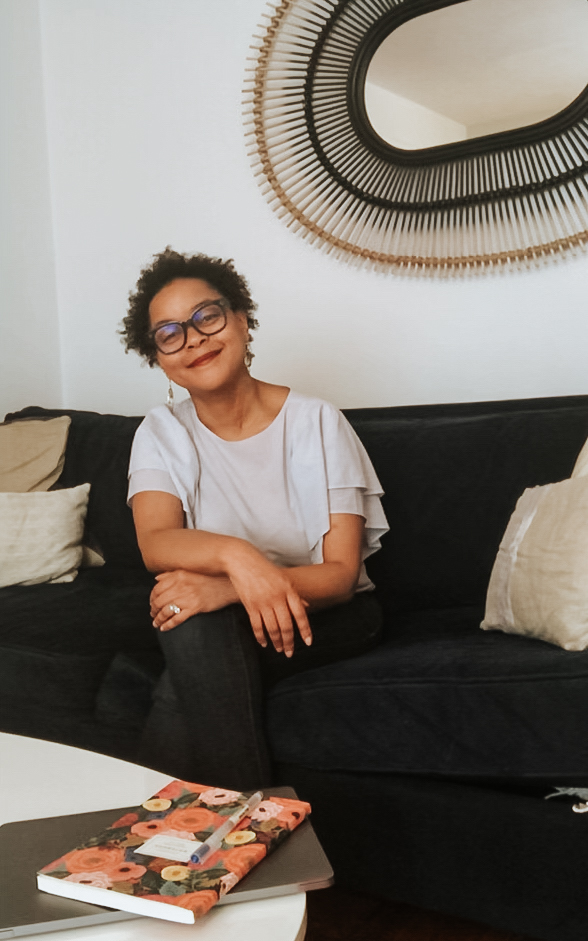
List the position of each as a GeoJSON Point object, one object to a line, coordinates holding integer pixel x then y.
{"type": "Point", "coordinates": [208, 319]}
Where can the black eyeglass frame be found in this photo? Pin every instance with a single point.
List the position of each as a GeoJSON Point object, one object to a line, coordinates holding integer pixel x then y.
{"type": "Point", "coordinates": [191, 322]}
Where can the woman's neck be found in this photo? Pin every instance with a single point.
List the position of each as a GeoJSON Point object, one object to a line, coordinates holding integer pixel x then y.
{"type": "Point", "coordinates": [241, 411]}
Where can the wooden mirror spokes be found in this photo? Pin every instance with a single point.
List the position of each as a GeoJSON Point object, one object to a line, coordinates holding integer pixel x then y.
{"type": "Point", "coordinates": [520, 196]}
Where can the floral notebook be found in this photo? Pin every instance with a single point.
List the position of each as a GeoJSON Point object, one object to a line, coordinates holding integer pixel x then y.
{"type": "Point", "coordinates": [142, 862]}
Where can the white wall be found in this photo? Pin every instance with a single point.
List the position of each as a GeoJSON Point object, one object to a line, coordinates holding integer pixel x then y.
{"type": "Point", "coordinates": [405, 123]}
{"type": "Point", "coordinates": [411, 126]}
{"type": "Point", "coordinates": [146, 149]}
{"type": "Point", "coordinates": [29, 342]}
{"type": "Point", "coordinates": [496, 125]}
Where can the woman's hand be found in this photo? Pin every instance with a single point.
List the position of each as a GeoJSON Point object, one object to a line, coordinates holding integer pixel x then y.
{"type": "Point", "coordinates": [270, 599]}
{"type": "Point", "coordinates": [220, 570]}
{"type": "Point", "coordinates": [192, 593]}
{"type": "Point", "coordinates": [264, 590]}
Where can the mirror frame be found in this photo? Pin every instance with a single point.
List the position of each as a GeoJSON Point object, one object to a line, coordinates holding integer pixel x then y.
{"type": "Point", "coordinates": [518, 196]}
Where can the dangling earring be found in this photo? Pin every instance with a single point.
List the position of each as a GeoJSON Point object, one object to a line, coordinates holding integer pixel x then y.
{"type": "Point", "coordinates": [170, 396]}
{"type": "Point", "coordinates": [248, 357]}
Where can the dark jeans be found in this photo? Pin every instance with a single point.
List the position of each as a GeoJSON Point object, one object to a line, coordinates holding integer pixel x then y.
{"type": "Point", "coordinates": [206, 724]}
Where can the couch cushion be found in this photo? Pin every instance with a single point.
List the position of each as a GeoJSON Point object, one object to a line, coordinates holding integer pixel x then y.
{"type": "Point", "coordinates": [441, 697]}
{"type": "Point", "coordinates": [500, 856]}
{"type": "Point", "coordinates": [77, 662]}
{"type": "Point", "coordinates": [57, 641]}
{"type": "Point", "coordinates": [87, 616]}
{"type": "Point", "coordinates": [452, 475]}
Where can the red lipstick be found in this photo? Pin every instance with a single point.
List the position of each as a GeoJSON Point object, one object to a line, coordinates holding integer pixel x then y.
{"type": "Point", "coordinates": [202, 360]}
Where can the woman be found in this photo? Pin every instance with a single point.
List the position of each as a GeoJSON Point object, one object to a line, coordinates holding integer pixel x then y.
{"type": "Point", "coordinates": [255, 506]}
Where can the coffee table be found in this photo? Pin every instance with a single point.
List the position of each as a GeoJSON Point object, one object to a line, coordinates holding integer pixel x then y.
{"type": "Point", "coordinates": [42, 779]}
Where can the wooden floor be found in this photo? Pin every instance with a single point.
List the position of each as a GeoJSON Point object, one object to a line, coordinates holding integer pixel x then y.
{"type": "Point", "coordinates": [339, 915]}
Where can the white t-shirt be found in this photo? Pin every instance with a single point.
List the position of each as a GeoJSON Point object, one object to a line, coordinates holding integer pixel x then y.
{"type": "Point", "coordinates": [275, 489]}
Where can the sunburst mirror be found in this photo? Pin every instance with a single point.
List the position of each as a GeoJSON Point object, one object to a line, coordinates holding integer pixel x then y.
{"type": "Point", "coordinates": [497, 174]}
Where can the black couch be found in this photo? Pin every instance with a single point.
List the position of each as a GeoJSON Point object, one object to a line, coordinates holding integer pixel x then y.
{"type": "Point", "coordinates": [426, 760]}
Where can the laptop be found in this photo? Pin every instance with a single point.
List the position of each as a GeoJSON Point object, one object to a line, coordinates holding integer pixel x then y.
{"type": "Point", "coordinates": [298, 865]}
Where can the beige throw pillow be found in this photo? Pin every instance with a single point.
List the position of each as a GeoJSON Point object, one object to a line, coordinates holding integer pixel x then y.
{"type": "Point", "coordinates": [32, 453]}
{"type": "Point", "coordinates": [539, 583]}
{"type": "Point", "coordinates": [41, 535]}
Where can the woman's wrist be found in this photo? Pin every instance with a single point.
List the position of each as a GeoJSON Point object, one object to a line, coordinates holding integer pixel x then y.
{"type": "Point", "coordinates": [238, 556]}
{"type": "Point", "coordinates": [324, 584]}
{"type": "Point", "coordinates": [226, 590]}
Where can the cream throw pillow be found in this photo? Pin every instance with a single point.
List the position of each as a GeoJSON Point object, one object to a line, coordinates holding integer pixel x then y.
{"type": "Point", "coordinates": [539, 583]}
{"type": "Point", "coordinates": [41, 535]}
{"type": "Point", "coordinates": [32, 453]}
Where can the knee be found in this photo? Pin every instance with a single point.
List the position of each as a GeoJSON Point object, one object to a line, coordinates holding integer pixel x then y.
{"type": "Point", "coordinates": [208, 627]}
{"type": "Point", "coordinates": [188, 629]}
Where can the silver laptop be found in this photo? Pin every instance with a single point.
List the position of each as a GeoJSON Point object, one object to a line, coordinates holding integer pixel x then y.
{"type": "Point", "coordinates": [298, 865]}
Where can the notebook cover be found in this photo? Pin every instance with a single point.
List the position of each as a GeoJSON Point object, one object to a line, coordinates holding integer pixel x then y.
{"type": "Point", "coordinates": [109, 869]}
{"type": "Point", "coordinates": [300, 865]}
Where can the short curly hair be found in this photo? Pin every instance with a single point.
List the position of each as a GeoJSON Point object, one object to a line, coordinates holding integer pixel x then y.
{"type": "Point", "coordinates": [166, 267]}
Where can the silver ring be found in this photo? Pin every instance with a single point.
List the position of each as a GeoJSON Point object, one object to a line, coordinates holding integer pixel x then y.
{"type": "Point", "coordinates": [174, 609]}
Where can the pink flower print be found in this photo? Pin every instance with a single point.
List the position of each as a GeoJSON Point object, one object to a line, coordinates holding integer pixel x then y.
{"type": "Point", "coordinates": [267, 810]}
{"type": "Point", "coordinates": [219, 795]}
{"type": "Point", "coordinates": [291, 812]}
{"type": "Point", "coordinates": [227, 882]}
{"type": "Point", "coordinates": [98, 879]}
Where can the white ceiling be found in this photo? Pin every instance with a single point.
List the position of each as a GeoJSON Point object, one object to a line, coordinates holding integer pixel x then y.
{"type": "Point", "coordinates": [481, 60]}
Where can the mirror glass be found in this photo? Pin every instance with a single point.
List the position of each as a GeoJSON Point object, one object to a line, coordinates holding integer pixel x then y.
{"type": "Point", "coordinates": [477, 67]}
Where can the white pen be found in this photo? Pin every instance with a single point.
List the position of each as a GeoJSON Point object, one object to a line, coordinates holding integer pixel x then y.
{"type": "Point", "coordinates": [215, 839]}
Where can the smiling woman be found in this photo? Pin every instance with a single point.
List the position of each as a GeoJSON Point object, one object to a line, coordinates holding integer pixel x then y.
{"type": "Point", "coordinates": [191, 326]}
{"type": "Point", "coordinates": [255, 508]}
{"type": "Point", "coordinates": [171, 266]}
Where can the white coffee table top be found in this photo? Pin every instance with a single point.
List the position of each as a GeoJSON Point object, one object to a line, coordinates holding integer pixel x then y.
{"type": "Point", "coordinates": [42, 779]}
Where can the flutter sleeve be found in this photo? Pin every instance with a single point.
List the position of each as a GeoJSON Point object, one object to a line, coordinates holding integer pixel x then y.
{"type": "Point", "coordinates": [164, 456]}
{"type": "Point", "coordinates": [147, 469]}
{"type": "Point", "coordinates": [331, 470]}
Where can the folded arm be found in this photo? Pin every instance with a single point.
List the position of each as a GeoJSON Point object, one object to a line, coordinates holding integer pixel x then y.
{"type": "Point", "coordinates": [201, 571]}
